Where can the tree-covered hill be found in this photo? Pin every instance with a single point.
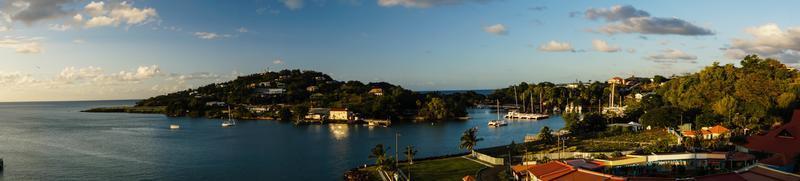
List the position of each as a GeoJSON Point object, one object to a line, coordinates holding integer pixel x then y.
{"type": "Point", "coordinates": [296, 91]}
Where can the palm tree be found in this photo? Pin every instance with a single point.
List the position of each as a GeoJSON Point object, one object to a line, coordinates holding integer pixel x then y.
{"type": "Point", "coordinates": [469, 139]}
{"type": "Point", "coordinates": [379, 154]}
{"type": "Point", "coordinates": [410, 152]}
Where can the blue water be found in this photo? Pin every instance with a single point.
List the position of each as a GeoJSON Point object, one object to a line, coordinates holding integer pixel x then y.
{"type": "Point", "coordinates": [54, 141]}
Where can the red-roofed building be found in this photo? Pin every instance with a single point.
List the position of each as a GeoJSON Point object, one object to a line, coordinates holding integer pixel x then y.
{"type": "Point", "coordinates": [708, 133]}
{"type": "Point", "coordinates": [556, 170]}
{"type": "Point", "coordinates": [753, 173]}
{"type": "Point", "coordinates": [782, 142]}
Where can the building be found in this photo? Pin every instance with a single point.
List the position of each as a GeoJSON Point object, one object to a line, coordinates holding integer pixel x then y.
{"type": "Point", "coordinates": [318, 114]}
{"type": "Point", "coordinates": [633, 126]}
{"type": "Point", "coordinates": [376, 91]}
{"type": "Point", "coordinates": [556, 170]}
{"type": "Point", "coordinates": [616, 80]}
{"type": "Point", "coordinates": [255, 109]}
{"type": "Point", "coordinates": [782, 142]}
{"type": "Point", "coordinates": [215, 103]}
{"type": "Point", "coordinates": [756, 172]}
{"type": "Point", "coordinates": [708, 133]}
{"type": "Point", "coordinates": [341, 114]}
{"type": "Point", "coordinates": [270, 91]}
{"type": "Point", "coordinates": [312, 88]}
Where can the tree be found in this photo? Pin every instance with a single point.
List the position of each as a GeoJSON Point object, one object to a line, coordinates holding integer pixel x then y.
{"type": "Point", "coordinates": [469, 139]}
{"type": "Point", "coordinates": [545, 135]}
{"type": "Point", "coordinates": [662, 117]}
{"type": "Point", "coordinates": [285, 114]}
{"type": "Point", "coordinates": [300, 111]}
{"type": "Point", "coordinates": [382, 162]}
{"type": "Point", "coordinates": [725, 106]}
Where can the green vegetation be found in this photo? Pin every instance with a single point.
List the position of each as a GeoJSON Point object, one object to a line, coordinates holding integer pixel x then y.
{"type": "Point", "coordinates": [128, 109]}
{"type": "Point", "coordinates": [469, 139]}
{"type": "Point", "coordinates": [453, 168]}
{"type": "Point", "coordinates": [289, 94]}
{"type": "Point", "coordinates": [756, 95]}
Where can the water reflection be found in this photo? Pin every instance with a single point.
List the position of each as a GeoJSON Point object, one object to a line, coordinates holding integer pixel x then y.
{"type": "Point", "coordinates": [339, 131]}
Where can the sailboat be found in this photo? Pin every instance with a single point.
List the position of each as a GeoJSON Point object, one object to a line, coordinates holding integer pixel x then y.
{"type": "Point", "coordinates": [230, 121]}
{"type": "Point", "coordinates": [497, 122]}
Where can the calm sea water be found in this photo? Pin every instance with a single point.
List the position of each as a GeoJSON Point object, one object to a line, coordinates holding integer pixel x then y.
{"type": "Point", "coordinates": [54, 141]}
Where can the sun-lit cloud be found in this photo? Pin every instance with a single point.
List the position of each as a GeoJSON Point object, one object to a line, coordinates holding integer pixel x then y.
{"type": "Point", "coordinates": [59, 27]}
{"type": "Point", "coordinates": [768, 40]}
{"type": "Point", "coordinates": [497, 29]}
{"type": "Point", "coordinates": [554, 46]}
{"type": "Point", "coordinates": [603, 46]}
{"type": "Point", "coordinates": [242, 30]}
{"type": "Point", "coordinates": [23, 45]}
{"type": "Point", "coordinates": [210, 35]}
{"type": "Point", "coordinates": [122, 13]}
{"type": "Point", "coordinates": [293, 4]}
{"type": "Point", "coordinates": [627, 19]}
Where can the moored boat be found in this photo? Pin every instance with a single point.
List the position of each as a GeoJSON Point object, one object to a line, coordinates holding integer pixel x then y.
{"type": "Point", "coordinates": [174, 126]}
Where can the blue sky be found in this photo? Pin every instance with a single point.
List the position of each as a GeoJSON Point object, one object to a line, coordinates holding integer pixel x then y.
{"type": "Point", "coordinates": [137, 49]}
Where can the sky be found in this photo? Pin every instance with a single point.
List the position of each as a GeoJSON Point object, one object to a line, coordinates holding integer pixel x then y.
{"type": "Point", "coordinates": [54, 50]}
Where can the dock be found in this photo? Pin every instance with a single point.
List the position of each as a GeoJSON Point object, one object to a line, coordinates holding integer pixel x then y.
{"type": "Point", "coordinates": [378, 122]}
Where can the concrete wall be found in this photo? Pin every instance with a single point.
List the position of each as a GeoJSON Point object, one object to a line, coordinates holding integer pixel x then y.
{"type": "Point", "coordinates": [488, 159]}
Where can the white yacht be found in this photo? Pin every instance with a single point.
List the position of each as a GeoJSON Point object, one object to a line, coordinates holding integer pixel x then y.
{"type": "Point", "coordinates": [497, 122]}
{"type": "Point", "coordinates": [230, 121]}
{"type": "Point", "coordinates": [174, 126]}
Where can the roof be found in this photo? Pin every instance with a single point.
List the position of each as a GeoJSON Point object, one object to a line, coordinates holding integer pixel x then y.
{"type": "Point", "coordinates": [783, 142]}
{"type": "Point", "coordinates": [468, 178]}
{"type": "Point", "coordinates": [718, 129]}
{"type": "Point", "coordinates": [754, 173]}
{"type": "Point", "coordinates": [338, 109]}
{"type": "Point", "coordinates": [549, 168]}
{"type": "Point", "coordinates": [582, 163]}
{"type": "Point", "coordinates": [581, 174]}
{"type": "Point", "coordinates": [521, 168]}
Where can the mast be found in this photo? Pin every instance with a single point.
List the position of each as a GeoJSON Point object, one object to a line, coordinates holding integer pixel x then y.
{"type": "Point", "coordinates": [498, 109]}
{"type": "Point", "coordinates": [516, 104]}
{"type": "Point", "coordinates": [532, 108]}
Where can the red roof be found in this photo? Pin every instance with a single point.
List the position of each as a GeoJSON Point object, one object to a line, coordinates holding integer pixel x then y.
{"type": "Point", "coordinates": [718, 129]}
{"type": "Point", "coordinates": [783, 142]}
{"type": "Point", "coordinates": [755, 173]}
{"type": "Point", "coordinates": [549, 168]}
{"type": "Point", "coordinates": [556, 170]}
{"type": "Point", "coordinates": [581, 174]}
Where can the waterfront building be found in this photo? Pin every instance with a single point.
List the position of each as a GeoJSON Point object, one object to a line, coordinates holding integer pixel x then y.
{"type": "Point", "coordinates": [317, 113]}
{"type": "Point", "coordinates": [215, 103]}
{"type": "Point", "coordinates": [341, 114]}
{"type": "Point", "coordinates": [616, 80]}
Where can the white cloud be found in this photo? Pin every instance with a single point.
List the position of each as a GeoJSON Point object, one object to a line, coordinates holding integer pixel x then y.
{"type": "Point", "coordinates": [497, 29]}
{"type": "Point", "coordinates": [627, 19]}
{"type": "Point", "coordinates": [210, 35]}
{"type": "Point", "coordinates": [59, 27]}
{"type": "Point", "coordinates": [123, 13]}
{"type": "Point", "coordinates": [602, 46]}
{"type": "Point", "coordinates": [99, 21]}
{"type": "Point", "coordinates": [15, 78]}
{"type": "Point", "coordinates": [631, 50]}
{"type": "Point", "coordinates": [31, 11]}
{"type": "Point", "coordinates": [277, 61]}
{"type": "Point", "coordinates": [293, 4]}
{"type": "Point", "coordinates": [95, 8]}
{"type": "Point", "coordinates": [554, 46]}
{"type": "Point", "coordinates": [78, 41]}
{"type": "Point", "coordinates": [77, 18]}
{"type": "Point", "coordinates": [671, 56]}
{"type": "Point", "coordinates": [768, 40]}
{"type": "Point", "coordinates": [22, 44]}
{"type": "Point", "coordinates": [615, 13]}
{"type": "Point", "coordinates": [242, 30]}
{"type": "Point", "coordinates": [71, 74]}
{"type": "Point", "coordinates": [425, 3]}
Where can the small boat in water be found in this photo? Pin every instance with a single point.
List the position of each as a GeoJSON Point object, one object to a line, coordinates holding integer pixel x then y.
{"type": "Point", "coordinates": [230, 122]}
{"type": "Point", "coordinates": [174, 126]}
{"type": "Point", "coordinates": [497, 122]}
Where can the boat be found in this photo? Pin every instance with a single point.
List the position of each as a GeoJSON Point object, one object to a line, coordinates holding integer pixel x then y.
{"type": "Point", "coordinates": [533, 116]}
{"type": "Point", "coordinates": [497, 122]}
{"type": "Point", "coordinates": [174, 126]}
{"type": "Point", "coordinates": [230, 121]}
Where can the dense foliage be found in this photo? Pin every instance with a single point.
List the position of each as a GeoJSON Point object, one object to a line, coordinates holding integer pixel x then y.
{"type": "Point", "coordinates": [756, 95]}
{"type": "Point", "coordinates": [302, 90]}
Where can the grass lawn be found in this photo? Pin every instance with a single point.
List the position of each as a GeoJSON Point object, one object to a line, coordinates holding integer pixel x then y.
{"type": "Point", "coordinates": [453, 168]}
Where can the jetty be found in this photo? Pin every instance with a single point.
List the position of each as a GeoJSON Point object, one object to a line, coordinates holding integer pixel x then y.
{"type": "Point", "coordinates": [378, 122]}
